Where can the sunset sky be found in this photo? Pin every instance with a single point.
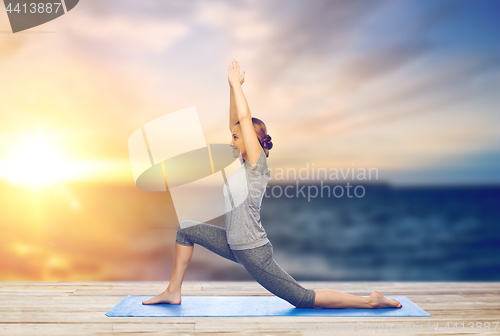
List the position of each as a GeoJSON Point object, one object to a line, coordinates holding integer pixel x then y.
{"type": "Point", "coordinates": [409, 87]}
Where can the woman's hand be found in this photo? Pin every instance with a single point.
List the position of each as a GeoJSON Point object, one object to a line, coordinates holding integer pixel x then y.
{"type": "Point", "coordinates": [234, 75]}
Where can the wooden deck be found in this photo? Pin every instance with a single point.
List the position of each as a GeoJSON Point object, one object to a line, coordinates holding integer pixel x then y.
{"type": "Point", "coordinates": [79, 308]}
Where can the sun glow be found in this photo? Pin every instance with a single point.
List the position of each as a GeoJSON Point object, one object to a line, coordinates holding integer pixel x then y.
{"type": "Point", "coordinates": [36, 160]}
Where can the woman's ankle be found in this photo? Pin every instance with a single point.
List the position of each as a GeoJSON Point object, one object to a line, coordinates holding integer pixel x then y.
{"type": "Point", "coordinates": [173, 289]}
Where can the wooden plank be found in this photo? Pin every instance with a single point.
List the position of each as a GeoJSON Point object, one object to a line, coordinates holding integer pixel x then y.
{"type": "Point", "coordinates": [76, 305]}
{"type": "Point", "coordinates": [99, 317]}
{"type": "Point", "coordinates": [73, 288]}
{"type": "Point", "coordinates": [91, 329]}
{"type": "Point", "coordinates": [124, 293]}
{"type": "Point", "coordinates": [78, 308]}
{"type": "Point", "coordinates": [260, 326]}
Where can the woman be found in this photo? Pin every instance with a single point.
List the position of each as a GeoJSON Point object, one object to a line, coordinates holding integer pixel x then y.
{"type": "Point", "coordinates": [244, 240]}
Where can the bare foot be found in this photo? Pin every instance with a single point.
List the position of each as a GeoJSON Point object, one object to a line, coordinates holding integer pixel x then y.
{"type": "Point", "coordinates": [379, 301]}
{"type": "Point", "coordinates": [165, 297]}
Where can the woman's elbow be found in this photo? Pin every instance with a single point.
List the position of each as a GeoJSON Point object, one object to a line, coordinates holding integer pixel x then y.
{"type": "Point", "coordinates": [244, 116]}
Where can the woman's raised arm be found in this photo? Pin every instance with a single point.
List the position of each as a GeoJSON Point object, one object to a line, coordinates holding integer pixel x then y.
{"type": "Point", "coordinates": [233, 116]}
{"type": "Point", "coordinates": [252, 144]}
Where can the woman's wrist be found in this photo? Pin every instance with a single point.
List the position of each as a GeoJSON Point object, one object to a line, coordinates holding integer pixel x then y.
{"type": "Point", "coordinates": [235, 86]}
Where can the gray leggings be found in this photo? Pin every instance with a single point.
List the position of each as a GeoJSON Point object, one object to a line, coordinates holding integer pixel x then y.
{"type": "Point", "coordinates": [257, 261]}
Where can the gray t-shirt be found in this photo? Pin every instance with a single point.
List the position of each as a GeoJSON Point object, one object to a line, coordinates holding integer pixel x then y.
{"type": "Point", "coordinates": [247, 186]}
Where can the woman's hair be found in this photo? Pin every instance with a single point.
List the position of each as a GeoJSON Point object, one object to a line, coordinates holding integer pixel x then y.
{"type": "Point", "coordinates": [261, 131]}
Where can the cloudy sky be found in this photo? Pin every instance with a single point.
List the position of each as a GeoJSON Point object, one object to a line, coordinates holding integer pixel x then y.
{"type": "Point", "coordinates": [409, 87]}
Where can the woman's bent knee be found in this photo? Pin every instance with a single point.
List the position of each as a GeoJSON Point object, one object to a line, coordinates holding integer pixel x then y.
{"type": "Point", "coordinates": [181, 238]}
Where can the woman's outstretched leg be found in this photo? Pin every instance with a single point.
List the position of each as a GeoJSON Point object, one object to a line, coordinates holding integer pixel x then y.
{"type": "Point", "coordinates": [260, 264]}
{"type": "Point", "coordinates": [212, 237]}
{"type": "Point", "coordinates": [326, 298]}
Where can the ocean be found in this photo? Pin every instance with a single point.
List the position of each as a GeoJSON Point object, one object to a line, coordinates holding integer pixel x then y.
{"type": "Point", "coordinates": [83, 232]}
{"type": "Point", "coordinates": [389, 234]}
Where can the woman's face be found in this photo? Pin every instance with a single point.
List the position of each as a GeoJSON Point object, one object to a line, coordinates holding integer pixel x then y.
{"type": "Point", "coordinates": [237, 142]}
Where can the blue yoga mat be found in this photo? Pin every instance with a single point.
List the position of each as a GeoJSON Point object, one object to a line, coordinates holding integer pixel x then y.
{"type": "Point", "coordinates": [248, 306]}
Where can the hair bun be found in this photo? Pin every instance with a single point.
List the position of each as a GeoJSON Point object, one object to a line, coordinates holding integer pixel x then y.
{"type": "Point", "coordinates": [267, 141]}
